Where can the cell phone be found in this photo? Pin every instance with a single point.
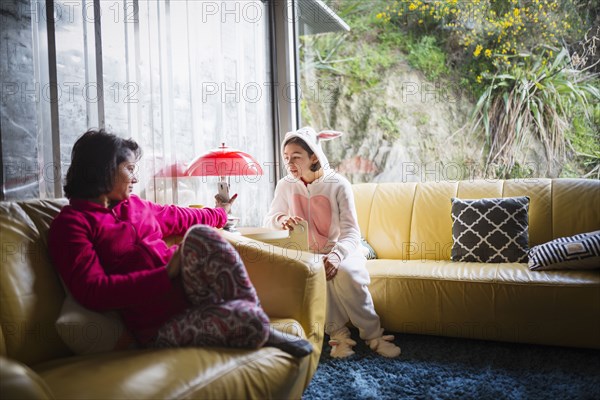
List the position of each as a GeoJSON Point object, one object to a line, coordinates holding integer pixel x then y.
{"type": "Point", "coordinates": [223, 190]}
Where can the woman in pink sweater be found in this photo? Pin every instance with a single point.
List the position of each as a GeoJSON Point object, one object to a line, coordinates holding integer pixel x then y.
{"type": "Point", "coordinates": [108, 247]}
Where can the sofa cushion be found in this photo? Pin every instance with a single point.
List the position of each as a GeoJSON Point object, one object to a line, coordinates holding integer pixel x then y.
{"type": "Point", "coordinates": [492, 301]}
{"type": "Point", "coordinates": [573, 252]}
{"type": "Point", "coordinates": [490, 230]}
{"type": "Point", "coordinates": [86, 332]}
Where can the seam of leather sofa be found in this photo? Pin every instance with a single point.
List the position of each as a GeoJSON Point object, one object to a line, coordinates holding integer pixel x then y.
{"type": "Point", "coordinates": [372, 200]}
{"type": "Point", "coordinates": [412, 213]}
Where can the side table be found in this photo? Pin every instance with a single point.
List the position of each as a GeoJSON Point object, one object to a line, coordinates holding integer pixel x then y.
{"type": "Point", "coordinates": [263, 234]}
{"type": "Point", "coordinates": [297, 239]}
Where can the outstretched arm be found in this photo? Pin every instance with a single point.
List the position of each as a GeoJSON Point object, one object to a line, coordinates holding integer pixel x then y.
{"type": "Point", "coordinates": [279, 208]}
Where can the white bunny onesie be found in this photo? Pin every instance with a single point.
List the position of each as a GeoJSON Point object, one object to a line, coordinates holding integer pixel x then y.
{"type": "Point", "coordinates": [328, 205]}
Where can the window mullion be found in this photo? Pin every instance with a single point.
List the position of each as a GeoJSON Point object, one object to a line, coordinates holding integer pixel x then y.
{"type": "Point", "coordinates": [98, 60]}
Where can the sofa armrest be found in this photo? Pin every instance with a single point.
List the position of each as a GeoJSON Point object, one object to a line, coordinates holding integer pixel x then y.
{"type": "Point", "coordinates": [19, 382]}
{"type": "Point", "coordinates": [290, 284]}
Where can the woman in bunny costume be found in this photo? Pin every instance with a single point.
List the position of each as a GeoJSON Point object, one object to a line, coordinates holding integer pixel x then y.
{"type": "Point", "coordinates": [314, 192]}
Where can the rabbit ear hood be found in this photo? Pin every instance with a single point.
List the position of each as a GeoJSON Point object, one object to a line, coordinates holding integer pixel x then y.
{"type": "Point", "coordinates": [313, 140]}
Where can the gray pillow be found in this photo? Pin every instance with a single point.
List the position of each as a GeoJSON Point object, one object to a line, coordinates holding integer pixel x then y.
{"type": "Point", "coordinates": [490, 230]}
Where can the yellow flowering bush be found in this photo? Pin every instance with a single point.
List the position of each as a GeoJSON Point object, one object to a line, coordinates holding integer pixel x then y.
{"type": "Point", "coordinates": [490, 32]}
{"type": "Point", "coordinates": [516, 55]}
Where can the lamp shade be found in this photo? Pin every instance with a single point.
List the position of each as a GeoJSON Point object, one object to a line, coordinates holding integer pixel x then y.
{"type": "Point", "coordinates": [175, 170]}
{"type": "Point", "coordinates": [224, 161]}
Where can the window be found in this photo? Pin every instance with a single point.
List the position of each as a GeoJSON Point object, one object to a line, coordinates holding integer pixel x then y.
{"type": "Point", "coordinates": [320, 33]}
{"type": "Point", "coordinates": [179, 77]}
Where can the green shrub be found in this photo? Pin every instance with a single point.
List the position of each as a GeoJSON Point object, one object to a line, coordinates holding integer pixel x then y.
{"type": "Point", "coordinates": [484, 34]}
{"type": "Point", "coordinates": [535, 99]}
{"type": "Point", "coordinates": [428, 57]}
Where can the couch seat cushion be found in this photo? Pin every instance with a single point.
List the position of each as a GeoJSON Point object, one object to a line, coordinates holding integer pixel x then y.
{"type": "Point", "coordinates": [487, 301]}
{"type": "Point", "coordinates": [175, 373]}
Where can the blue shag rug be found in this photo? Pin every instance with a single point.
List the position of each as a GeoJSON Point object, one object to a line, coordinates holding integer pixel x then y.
{"type": "Point", "coordinates": [432, 367]}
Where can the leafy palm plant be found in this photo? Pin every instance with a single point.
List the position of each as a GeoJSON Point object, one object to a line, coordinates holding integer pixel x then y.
{"type": "Point", "coordinates": [533, 101]}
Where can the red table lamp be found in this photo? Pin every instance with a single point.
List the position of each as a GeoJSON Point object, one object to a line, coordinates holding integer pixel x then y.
{"type": "Point", "coordinates": [223, 162]}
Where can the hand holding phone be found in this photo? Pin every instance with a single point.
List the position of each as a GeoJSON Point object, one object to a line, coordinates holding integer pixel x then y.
{"type": "Point", "coordinates": [219, 202]}
{"type": "Point", "coordinates": [223, 191]}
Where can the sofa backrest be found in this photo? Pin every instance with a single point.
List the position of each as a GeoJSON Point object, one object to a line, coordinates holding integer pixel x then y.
{"type": "Point", "coordinates": [412, 221]}
{"type": "Point", "coordinates": [31, 294]}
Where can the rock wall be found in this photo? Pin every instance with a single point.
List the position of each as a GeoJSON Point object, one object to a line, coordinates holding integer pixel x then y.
{"type": "Point", "coordinates": [409, 129]}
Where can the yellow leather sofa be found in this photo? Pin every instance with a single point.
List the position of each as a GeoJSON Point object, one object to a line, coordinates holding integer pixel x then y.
{"type": "Point", "coordinates": [35, 363]}
{"type": "Point", "coordinates": [416, 288]}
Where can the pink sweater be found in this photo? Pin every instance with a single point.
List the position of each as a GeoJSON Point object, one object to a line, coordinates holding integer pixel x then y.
{"type": "Point", "coordinates": [114, 259]}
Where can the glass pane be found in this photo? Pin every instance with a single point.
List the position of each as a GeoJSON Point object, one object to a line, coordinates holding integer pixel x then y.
{"type": "Point", "coordinates": [75, 93]}
{"type": "Point", "coordinates": [323, 104]}
{"type": "Point", "coordinates": [117, 92]}
{"type": "Point", "coordinates": [20, 97]}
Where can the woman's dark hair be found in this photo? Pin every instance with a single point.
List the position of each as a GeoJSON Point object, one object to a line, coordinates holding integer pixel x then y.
{"type": "Point", "coordinates": [296, 140]}
{"type": "Point", "coordinates": [94, 161]}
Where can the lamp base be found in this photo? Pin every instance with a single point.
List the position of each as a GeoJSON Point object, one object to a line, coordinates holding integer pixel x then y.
{"type": "Point", "coordinates": [231, 223]}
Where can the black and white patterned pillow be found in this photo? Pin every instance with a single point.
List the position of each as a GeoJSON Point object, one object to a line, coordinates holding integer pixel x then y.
{"type": "Point", "coordinates": [490, 230]}
{"type": "Point", "coordinates": [573, 252]}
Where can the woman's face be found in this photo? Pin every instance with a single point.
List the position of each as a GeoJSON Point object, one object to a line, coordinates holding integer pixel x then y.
{"type": "Point", "coordinates": [297, 161]}
{"type": "Point", "coordinates": [124, 179]}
